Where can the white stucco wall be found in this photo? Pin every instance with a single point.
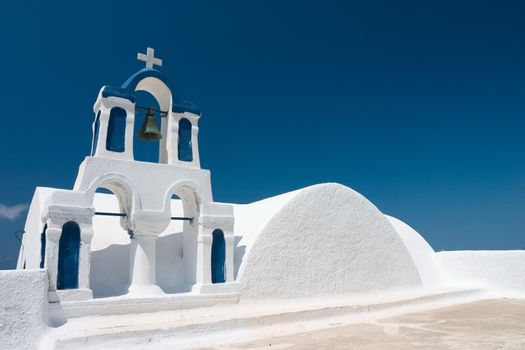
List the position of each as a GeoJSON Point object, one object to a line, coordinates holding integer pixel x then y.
{"type": "Point", "coordinates": [326, 239]}
{"type": "Point", "coordinates": [422, 253]}
{"type": "Point", "coordinates": [23, 308]}
{"type": "Point", "coordinates": [33, 227]}
{"type": "Point", "coordinates": [502, 271]}
{"type": "Point", "coordinates": [110, 252]}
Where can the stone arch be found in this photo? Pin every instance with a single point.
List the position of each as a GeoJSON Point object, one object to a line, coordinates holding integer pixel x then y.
{"type": "Point", "coordinates": [191, 199]}
{"type": "Point", "coordinates": [122, 189]}
{"type": "Point", "coordinates": [162, 93]}
{"type": "Point", "coordinates": [185, 189]}
{"type": "Point", "coordinates": [158, 89]}
{"type": "Point", "coordinates": [112, 280]}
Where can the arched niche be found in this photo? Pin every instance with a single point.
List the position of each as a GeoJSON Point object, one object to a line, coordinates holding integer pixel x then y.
{"type": "Point", "coordinates": [185, 147]}
{"type": "Point", "coordinates": [116, 133]}
{"type": "Point", "coordinates": [68, 254]}
{"type": "Point", "coordinates": [218, 257]}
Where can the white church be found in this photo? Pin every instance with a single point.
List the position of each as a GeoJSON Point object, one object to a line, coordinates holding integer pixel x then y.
{"type": "Point", "coordinates": [143, 238]}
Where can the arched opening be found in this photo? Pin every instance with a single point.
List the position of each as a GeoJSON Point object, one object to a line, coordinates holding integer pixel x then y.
{"type": "Point", "coordinates": [43, 247]}
{"type": "Point", "coordinates": [185, 147]}
{"type": "Point", "coordinates": [177, 246]}
{"type": "Point", "coordinates": [116, 135]}
{"type": "Point", "coordinates": [109, 267]}
{"type": "Point", "coordinates": [68, 251]}
{"type": "Point", "coordinates": [147, 151]}
{"type": "Point", "coordinates": [218, 257]}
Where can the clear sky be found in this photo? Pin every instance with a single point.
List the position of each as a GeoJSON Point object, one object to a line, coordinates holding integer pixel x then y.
{"type": "Point", "coordinates": [418, 105]}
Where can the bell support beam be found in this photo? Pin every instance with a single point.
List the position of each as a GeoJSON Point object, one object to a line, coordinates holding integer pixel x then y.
{"type": "Point", "coordinates": [183, 218]}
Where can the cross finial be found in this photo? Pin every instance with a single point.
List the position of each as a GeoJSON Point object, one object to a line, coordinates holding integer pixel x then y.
{"type": "Point", "coordinates": [149, 58]}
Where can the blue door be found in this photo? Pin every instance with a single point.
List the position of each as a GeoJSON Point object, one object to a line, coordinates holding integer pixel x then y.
{"type": "Point", "coordinates": [68, 249]}
{"type": "Point", "coordinates": [218, 257]}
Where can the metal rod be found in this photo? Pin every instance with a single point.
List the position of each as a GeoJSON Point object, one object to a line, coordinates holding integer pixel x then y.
{"type": "Point", "coordinates": [156, 110]}
{"type": "Point", "coordinates": [181, 218]}
{"type": "Point", "coordinates": [110, 214]}
{"type": "Point", "coordinates": [124, 214]}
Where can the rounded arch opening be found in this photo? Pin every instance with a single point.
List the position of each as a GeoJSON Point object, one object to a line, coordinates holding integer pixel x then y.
{"type": "Point", "coordinates": [185, 147]}
{"type": "Point", "coordinates": [177, 245]}
{"type": "Point", "coordinates": [147, 151]}
{"type": "Point", "coordinates": [158, 89]}
{"type": "Point", "coordinates": [111, 197]}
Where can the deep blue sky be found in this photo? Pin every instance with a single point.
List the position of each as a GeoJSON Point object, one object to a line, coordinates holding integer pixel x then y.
{"type": "Point", "coordinates": [418, 105]}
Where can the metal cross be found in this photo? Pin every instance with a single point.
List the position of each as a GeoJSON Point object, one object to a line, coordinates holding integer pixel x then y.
{"type": "Point", "coordinates": [149, 58]}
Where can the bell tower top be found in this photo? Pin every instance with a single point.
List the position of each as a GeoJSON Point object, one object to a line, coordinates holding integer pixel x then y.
{"type": "Point", "coordinates": [115, 109]}
{"type": "Point", "coordinates": [149, 58]}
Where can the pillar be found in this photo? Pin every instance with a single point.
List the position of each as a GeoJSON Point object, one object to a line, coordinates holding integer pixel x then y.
{"type": "Point", "coordinates": [84, 262]}
{"type": "Point", "coordinates": [142, 266]}
{"type": "Point", "coordinates": [53, 233]}
{"type": "Point", "coordinates": [203, 273]}
{"type": "Point", "coordinates": [229, 240]}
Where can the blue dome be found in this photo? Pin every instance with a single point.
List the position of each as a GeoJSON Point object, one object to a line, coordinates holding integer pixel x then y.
{"type": "Point", "coordinates": [127, 90]}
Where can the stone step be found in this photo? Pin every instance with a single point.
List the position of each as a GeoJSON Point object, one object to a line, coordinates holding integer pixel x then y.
{"type": "Point", "coordinates": [245, 320]}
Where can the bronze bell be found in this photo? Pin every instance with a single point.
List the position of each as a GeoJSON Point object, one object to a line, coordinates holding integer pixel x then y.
{"type": "Point", "coordinates": [148, 130]}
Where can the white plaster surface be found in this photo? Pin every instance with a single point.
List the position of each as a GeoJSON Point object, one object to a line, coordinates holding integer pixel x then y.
{"type": "Point", "coordinates": [501, 271]}
{"type": "Point", "coordinates": [30, 249]}
{"type": "Point", "coordinates": [23, 308]}
{"type": "Point", "coordinates": [215, 326]}
{"type": "Point", "coordinates": [326, 239]}
{"type": "Point", "coordinates": [422, 253]}
{"type": "Point", "coordinates": [110, 251]}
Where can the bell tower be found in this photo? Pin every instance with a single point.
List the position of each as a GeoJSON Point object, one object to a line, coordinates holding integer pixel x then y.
{"type": "Point", "coordinates": [144, 190]}
{"type": "Point", "coordinates": [115, 117]}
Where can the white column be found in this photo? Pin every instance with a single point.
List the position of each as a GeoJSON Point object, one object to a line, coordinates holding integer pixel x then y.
{"type": "Point", "coordinates": [172, 146]}
{"type": "Point", "coordinates": [84, 263]}
{"type": "Point", "coordinates": [53, 233]}
{"type": "Point", "coordinates": [204, 241]}
{"type": "Point", "coordinates": [142, 266]}
{"type": "Point", "coordinates": [195, 143]}
{"type": "Point", "coordinates": [229, 241]}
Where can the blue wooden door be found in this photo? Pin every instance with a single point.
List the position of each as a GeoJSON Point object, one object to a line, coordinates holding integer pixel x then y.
{"type": "Point", "coordinates": [218, 257]}
{"type": "Point", "coordinates": [68, 249]}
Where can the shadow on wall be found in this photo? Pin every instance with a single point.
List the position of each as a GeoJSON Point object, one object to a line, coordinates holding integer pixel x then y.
{"type": "Point", "coordinates": [109, 275]}
{"type": "Point", "coordinates": [238, 254]}
{"type": "Point", "coordinates": [170, 264]}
